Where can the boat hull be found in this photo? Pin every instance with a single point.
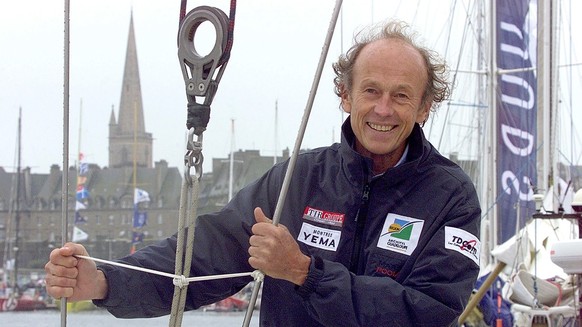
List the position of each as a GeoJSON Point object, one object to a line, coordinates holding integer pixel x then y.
{"type": "Point", "coordinates": [23, 303]}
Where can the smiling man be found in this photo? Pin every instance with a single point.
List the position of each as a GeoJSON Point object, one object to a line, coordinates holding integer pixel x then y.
{"type": "Point", "coordinates": [378, 230]}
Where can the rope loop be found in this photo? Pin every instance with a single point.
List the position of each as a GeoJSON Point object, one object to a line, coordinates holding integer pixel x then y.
{"type": "Point", "coordinates": [258, 276]}
{"type": "Point", "coordinates": [180, 281]}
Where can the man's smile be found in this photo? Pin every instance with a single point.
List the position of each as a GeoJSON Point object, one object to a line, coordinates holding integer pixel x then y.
{"type": "Point", "coordinates": [381, 128]}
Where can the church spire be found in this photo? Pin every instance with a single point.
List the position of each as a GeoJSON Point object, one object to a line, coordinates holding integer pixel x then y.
{"type": "Point", "coordinates": [130, 106]}
{"type": "Point", "coordinates": [128, 139]}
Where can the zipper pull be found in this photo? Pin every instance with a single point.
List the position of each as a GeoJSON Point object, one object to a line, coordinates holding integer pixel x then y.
{"type": "Point", "coordinates": [366, 194]}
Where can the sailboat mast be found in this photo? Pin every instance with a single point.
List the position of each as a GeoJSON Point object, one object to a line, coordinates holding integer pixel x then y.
{"type": "Point", "coordinates": [276, 132]}
{"type": "Point", "coordinates": [80, 128]}
{"type": "Point", "coordinates": [17, 204]}
{"type": "Point", "coordinates": [231, 164]}
{"type": "Point", "coordinates": [491, 135]}
{"type": "Point", "coordinates": [134, 171]}
{"type": "Point", "coordinates": [543, 95]}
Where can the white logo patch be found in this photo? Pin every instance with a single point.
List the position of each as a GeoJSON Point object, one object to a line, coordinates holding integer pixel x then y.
{"type": "Point", "coordinates": [400, 233]}
{"type": "Point", "coordinates": [323, 238]}
{"type": "Point", "coordinates": [463, 242]}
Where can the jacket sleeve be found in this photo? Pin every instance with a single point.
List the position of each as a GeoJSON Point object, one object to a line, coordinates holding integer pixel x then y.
{"type": "Point", "coordinates": [220, 247]}
{"type": "Point", "coordinates": [432, 291]}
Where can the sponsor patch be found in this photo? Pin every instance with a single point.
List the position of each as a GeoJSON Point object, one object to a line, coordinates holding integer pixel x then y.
{"type": "Point", "coordinates": [463, 242]}
{"type": "Point", "coordinates": [324, 217]}
{"type": "Point", "coordinates": [400, 233]}
{"type": "Point", "coordinates": [323, 238]}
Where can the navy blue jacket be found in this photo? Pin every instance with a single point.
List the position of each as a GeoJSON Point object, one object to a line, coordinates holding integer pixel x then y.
{"type": "Point", "coordinates": [399, 249]}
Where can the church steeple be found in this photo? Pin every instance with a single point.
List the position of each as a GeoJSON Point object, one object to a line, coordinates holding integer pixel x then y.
{"type": "Point", "coordinates": [128, 139]}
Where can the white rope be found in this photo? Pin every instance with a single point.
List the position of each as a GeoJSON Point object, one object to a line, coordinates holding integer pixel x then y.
{"type": "Point", "coordinates": [182, 280]}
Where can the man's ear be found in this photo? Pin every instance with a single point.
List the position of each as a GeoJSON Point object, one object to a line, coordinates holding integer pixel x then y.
{"type": "Point", "coordinates": [346, 100]}
{"type": "Point", "coordinates": [424, 112]}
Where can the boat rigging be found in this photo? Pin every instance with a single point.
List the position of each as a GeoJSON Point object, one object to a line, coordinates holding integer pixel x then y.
{"type": "Point", "coordinates": [201, 75]}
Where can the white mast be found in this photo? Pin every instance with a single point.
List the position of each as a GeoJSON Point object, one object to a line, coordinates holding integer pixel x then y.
{"type": "Point", "coordinates": [231, 164]}
{"type": "Point", "coordinates": [276, 127]}
{"type": "Point", "coordinates": [490, 161]}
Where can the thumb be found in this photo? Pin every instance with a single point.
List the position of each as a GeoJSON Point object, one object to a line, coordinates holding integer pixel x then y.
{"type": "Point", "coordinates": [260, 216]}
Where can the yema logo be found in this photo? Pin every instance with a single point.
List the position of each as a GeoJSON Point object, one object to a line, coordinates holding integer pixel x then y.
{"type": "Point", "coordinates": [400, 233]}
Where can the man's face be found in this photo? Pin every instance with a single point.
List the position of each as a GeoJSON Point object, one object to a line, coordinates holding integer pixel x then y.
{"type": "Point", "coordinates": [389, 79]}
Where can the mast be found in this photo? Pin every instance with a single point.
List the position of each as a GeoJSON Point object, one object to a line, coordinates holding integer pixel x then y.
{"type": "Point", "coordinates": [231, 163]}
{"type": "Point", "coordinates": [543, 95]}
{"type": "Point", "coordinates": [276, 127]}
{"type": "Point", "coordinates": [134, 172]}
{"type": "Point", "coordinates": [17, 206]}
{"type": "Point", "coordinates": [491, 148]}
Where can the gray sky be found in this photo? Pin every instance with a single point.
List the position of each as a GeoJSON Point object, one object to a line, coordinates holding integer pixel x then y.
{"type": "Point", "coordinates": [276, 49]}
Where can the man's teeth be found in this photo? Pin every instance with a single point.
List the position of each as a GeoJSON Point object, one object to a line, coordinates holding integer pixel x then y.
{"type": "Point", "coordinates": [381, 128]}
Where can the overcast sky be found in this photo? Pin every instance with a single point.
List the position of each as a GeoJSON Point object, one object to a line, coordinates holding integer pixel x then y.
{"type": "Point", "coordinates": [276, 49]}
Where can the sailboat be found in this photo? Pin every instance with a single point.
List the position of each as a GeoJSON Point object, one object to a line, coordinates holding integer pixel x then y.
{"type": "Point", "coordinates": [517, 172]}
{"type": "Point", "coordinates": [15, 296]}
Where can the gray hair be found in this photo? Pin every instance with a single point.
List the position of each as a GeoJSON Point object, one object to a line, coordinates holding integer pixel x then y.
{"type": "Point", "coordinates": [438, 88]}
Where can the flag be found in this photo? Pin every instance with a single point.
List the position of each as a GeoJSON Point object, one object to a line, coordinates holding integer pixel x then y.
{"type": "Point", "coordinates": [140, 218]}
{"type": "Point", "coordinates": [83, 168]}
{"type": "Point", "coordinates": [81, 180]}
{"type": "Point", "coordinates": [79, 235]}
{"type": "Point", "coordinates": [79, 206]}
{"type": "Point", "coordinates": [82, 192]}
{"type": "Point", "coordinates": [79, 219]}
{"type": "Point", "coordinates": [140, 196]}
{"type": "Point", "coordinates": [137, 237]}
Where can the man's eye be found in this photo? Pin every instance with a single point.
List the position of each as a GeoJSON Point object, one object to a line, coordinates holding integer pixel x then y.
{"type": "Point", "coordinates": [402, 95]}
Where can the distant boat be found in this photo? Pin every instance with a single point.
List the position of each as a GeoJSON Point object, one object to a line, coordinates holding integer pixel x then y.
{"type": "Point", "coordinates": [22, 303]}
{"type": "Point", "coordinates": [229, 304]}
{"type": "Point", "coordinates": [13, 296]}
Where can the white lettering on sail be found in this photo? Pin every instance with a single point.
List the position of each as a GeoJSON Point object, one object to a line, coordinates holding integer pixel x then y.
{"type": "Point", "coordinates": [522, 103]}
{"type": "Point", "coordinates": [509, 182]}
{"type": "Point", "coordinates": [507, 131]}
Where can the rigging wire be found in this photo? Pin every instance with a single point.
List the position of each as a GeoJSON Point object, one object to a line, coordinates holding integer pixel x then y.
{"type": "Point", "coordinates": [65, 177]}
{"type": "Point", "coordinates": [290, 168]}
{"type": "Point", "coordinates": [201, 81]}
{"type": "Point", "coordinates": [190, 185]}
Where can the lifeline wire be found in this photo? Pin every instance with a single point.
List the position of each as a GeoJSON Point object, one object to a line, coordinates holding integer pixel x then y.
{"type": "Point", "coordinates": [177, 278]}
{"type": "Point", "coordinates": [293, 159]}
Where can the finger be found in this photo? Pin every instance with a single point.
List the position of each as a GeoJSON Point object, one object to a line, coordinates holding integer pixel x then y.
{"type": "Point", "coordinates": [62, 257]}
{"type": "Point", "coordinates": [75, 249]}
{"type": "Point", "coordinates": [260, 216]}
{"type": "Point", "coordinates": [58, 292]}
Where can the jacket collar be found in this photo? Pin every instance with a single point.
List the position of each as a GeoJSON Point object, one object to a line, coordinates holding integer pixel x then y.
{"type": "Point", "coordinates": [359, 168]}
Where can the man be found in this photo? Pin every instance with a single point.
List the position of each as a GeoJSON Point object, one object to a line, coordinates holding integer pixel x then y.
{"type": "Point", "coordinates": [380, 230]}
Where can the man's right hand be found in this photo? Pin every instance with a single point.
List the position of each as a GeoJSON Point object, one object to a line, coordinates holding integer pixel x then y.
{"type": "Point", "coordinates": [74, 278]}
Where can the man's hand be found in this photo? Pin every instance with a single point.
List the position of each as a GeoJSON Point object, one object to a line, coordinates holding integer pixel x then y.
{"type": "Point", "coordinates": [73, 278]}
{"type": "Point", "coordinates": [275, 252]}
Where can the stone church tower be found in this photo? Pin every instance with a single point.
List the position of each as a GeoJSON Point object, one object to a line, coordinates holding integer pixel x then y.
{"type": "Point", "coordinates": [128, 139]}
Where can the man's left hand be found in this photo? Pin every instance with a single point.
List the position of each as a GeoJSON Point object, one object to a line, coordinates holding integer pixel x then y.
{"type": "Point", "coordinates": [274, 251]}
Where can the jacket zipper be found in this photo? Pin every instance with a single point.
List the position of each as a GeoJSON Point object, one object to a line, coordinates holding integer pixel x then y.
{"type": "Point", "coordinates": [360, 223]}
